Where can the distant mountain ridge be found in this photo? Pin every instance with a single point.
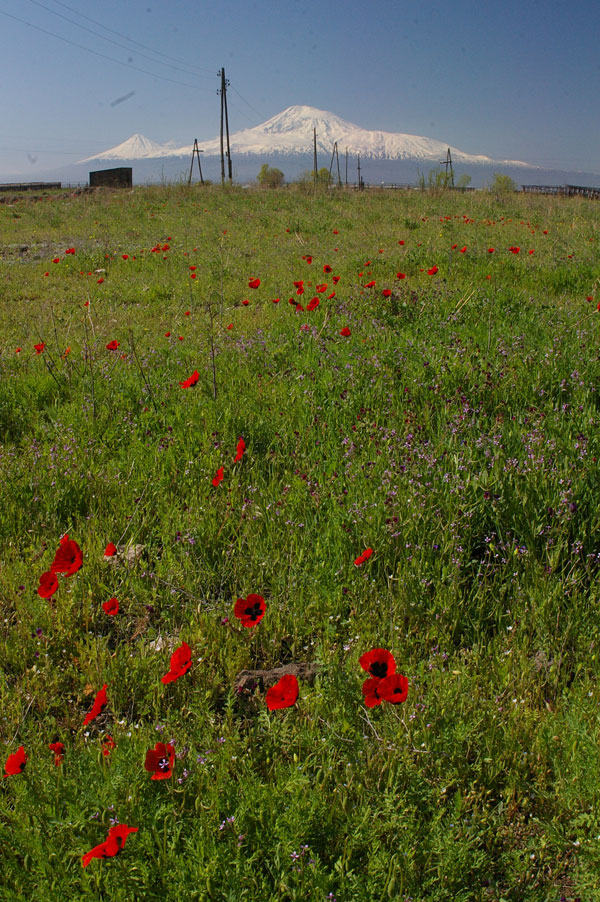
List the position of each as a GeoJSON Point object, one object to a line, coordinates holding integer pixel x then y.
{"type": "Point", "coordinates": [290, 133]}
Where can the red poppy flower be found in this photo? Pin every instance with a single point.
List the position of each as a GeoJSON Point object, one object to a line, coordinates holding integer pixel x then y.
{"type": "Point", "coordinates": [321, 288]}
{"type": "Point", "coordinates": [335, 279]}
{"type": "Point", "coordinates": [401, 242]}
{"type": "Point", "coordinates": [97, 708]}
{"type": "Point", "coordinates": [112, 845]}
{"type": "Point", "coordinates": [39, 348]}
{"type": "Point", "coordinates": [15, 763]}
{"type": "Point", "coordinates": [300, 289]}
{"type": "Point", "coordinates": [283, 694]}
{"type": "Point", "coordinates": [308, 259]}
{"type": "Point", "coordinates": [111, 607]}
{"type": "Point", "coordinates": [239, 451]}
{"type": "Point", "coordinates": [108, 744]}
{"type": "Point", "coordinates": [218, 477]}
{"type": "Point", "coordinates": [345, 332]}
{"type": "Point", "coordinates": [379, 662]}
{"type": "Point", "coordinates": [514, 250]}
{"type": "Point", "coordinates": [363, 557]}
{"type": "Point", "coordinates": [275, 300]}
{"type": "Point", "coordinates": [370, 284]}
{"type": "Point", "coordinates": [191, 380]}
{"type": "Point", "coordinates": [327, 267]}
{"type": "Point", "coordinates": [193, 268]}
{"type": "Point", "coordinates": [454, 246]}
{"type": "Point", "coordinates": [110, 550]}
{"type": "Point", "coordinates": [245, 302]}
{"type": "Point", "coordinates": [181, 661]}
{"type": "Point", "coordinates": [491, 250]}
{"type": "Point", "coordinates": [167, 334]}
{"type": "Point", "coordinates": [68, 558]}
{"type": "Point", "coordinates": [48, 584]}
{"type": "Point", "coordinates": [253, 283]}
{"type": "Point", "coordinates": [387, 292]}
{"type": "Point", "coordinates": [370, 690]}
{"type": "Point", "coordinates": [100, 280]}
{"type": "Point", "coordinates": [230, 326]}
{"type": "Point", "coordinates": [432, 271]}
{"type": "Point", "coordinates": [531, 252]}
{"type": "Point", "coordinates": [56, 259]}
{"type": "Point", "coordinates": [313, 303]}
{"type": "Point", "coordinates": [400, 275]}
{"type": "Point", "coordinates": [590, 297]}
{"type": "Point", "coordinates": [160, 760]}
{"type": "Point", "coordinates": [299, 284]}
{"type": "Point", "coordinates": [394, 688]}
{"type": "Point", "coordinates": [112, 345]}
{"type": "Point", "coordinates": [59, 752]}
{"type": "Point", "coordinates": [250, 610]}
{"type": "Point", "coordinates": [17, 350]}
{"type": "Point", "coordinates": [192, 275]}
{"type": "Point", "coordinates": [463, 250]}
{"type": "Point", "coordinates": [125, 256]}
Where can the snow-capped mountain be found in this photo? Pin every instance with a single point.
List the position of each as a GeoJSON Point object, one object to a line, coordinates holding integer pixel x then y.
{"type": "Point", "coordinates": [291, 133]}
{"type": "Point", "coordinates": [136, 148]}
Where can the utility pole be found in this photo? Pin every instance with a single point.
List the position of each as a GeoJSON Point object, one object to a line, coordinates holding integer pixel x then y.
{"type": "Point", "coordinates": [220, 91]}
{"type": "Point", "coordinates": [346, 167]}
{"type": "Point", "coordinates": [315, 156]}
{"type": "Point", "coordinates": [360, 181]}
{"type": "Point", "coordinates": [448, 164]}
{"type": "Point", "coordinates": [335, 156]}
{"type": "Point", "coordinates": [224, 86]}
{"type": "Point", "coordinates": [196, 152]}
{"type": "Point", "coordinates": [224, 115]}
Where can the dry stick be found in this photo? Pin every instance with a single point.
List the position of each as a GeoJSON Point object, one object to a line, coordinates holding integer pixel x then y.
{"type": "Point", "coordinates": [88, 358]}
{"type": "Point", "coordinates": [141, 369]}
{"type": "Point", "coordinates": [212, 351]}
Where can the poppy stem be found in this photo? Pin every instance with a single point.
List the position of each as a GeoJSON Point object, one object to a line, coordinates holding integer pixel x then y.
{"type": "Point", "coordinates": [141, 369]}
{"type": "Point", "coordinates": [88, 358]}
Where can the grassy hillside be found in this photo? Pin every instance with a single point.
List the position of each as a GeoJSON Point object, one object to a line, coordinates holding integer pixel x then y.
{"type": "Point", "coordinates": [438, 405]}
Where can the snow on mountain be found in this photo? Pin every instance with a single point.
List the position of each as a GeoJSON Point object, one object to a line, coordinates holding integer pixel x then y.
{"type": "Point", "coordinates": [291, 133]}
{"type": "Point", "coordinates": [137, 147]}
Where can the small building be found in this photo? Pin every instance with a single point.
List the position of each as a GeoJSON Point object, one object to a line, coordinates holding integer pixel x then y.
{"type": "Point", "coordinates": [112, 178]}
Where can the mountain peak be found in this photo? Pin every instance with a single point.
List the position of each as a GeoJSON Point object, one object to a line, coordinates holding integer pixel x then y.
{"type": "Point", "coordinates": [291, 132]}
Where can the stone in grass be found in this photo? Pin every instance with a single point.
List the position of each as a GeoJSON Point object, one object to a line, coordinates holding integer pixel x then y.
{"type": "Point", "coordinates": [125, 554]}
{"type": "Point", "coordinates": [247, 681]}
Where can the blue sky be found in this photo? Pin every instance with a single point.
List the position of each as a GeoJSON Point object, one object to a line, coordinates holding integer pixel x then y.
{"type": "Point", "coordinates": [518, 79]}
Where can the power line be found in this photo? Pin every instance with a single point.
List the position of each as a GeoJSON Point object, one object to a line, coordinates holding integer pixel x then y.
{"type": "Point", "coordinates": [131, 40]}
{"type": "Point", "coordinates": [97, 52]}
{"type": "Point", "coordinates": [110, 40]}
{"type": "Point", "coordinates": [254, 110]}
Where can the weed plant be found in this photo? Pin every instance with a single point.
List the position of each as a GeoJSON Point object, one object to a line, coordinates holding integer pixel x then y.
{"type": "Point", "coordinates": [453, 431]}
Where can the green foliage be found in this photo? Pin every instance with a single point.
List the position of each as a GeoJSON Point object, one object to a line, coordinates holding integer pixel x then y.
{"type": "Point", "coordinates": [270, 177]}
{"type": "Point", "coordinates": [502, 185]}
{"type": "Point", "coordinates": [454, 432]}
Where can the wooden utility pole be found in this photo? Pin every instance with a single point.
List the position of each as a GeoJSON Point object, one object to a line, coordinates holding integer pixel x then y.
{"type": "Point", "coordinates": [448, 164]}
{"type": "Point", "coordinates": [315, 155]}
{"type": "Point", "coordinates": [360, 181]}
{"type": "Point", "coordinates": [224, 86]}
{"type": "Point", "coordinates": [346, 167]}
{"type": "Point", "coordinates": [335, 156]}
{"type": "Point", "coordinates": [221, 74]}
{"type": "Point", "coordinates": [196, 152]}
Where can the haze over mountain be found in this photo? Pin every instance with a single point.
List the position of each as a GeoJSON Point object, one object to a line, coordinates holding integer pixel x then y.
{"type": "Point", "coordinates": [291, 133]}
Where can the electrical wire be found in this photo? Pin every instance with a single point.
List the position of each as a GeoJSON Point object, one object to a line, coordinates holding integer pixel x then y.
{"type": "Point", "coordinates": [97, 52]}
{"type": "Point", "coordinates": [131, 40]}
{"type": "Point", "coordinates": [111, 41]}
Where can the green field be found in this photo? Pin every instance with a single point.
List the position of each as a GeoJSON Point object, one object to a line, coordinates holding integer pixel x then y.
{"type": "Point", "coordinates": [447, 420]}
